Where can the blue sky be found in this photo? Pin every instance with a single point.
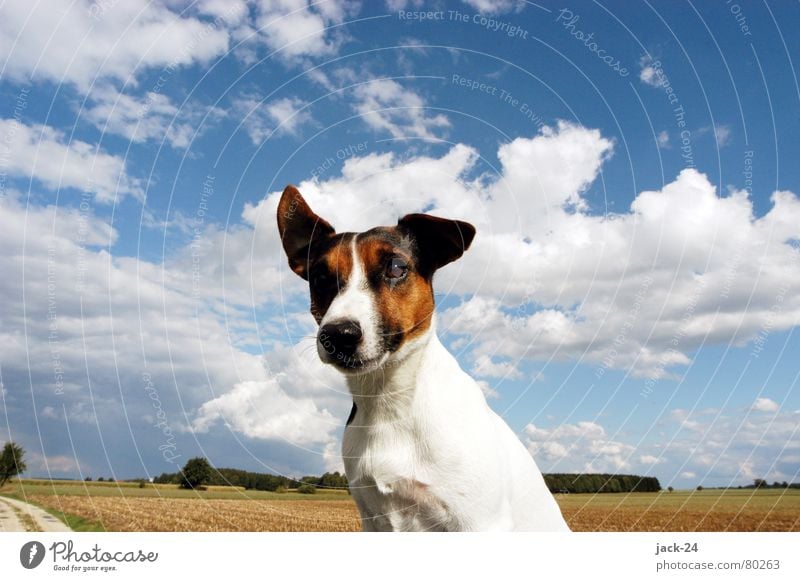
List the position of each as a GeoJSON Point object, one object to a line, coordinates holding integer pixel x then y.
{"type": "Point", "coordinates": [629, 304]}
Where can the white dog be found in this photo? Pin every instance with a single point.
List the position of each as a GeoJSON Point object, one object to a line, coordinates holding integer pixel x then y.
{"type": "Point", "coordinates": [422, 449]}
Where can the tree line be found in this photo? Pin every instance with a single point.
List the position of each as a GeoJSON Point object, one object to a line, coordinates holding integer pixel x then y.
{"type": "Point", "coordinates": [198, 472]}
{"type": "Point", "coordinates": [576, 483]}
{"type": "Point", "coordinates": [248, 480]}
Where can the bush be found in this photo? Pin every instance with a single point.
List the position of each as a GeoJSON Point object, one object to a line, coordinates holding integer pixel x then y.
{"type": "Point", "coordinates": [141, 484]}
{"type": "Point", "coordinates": [282, 489]}
{"type": "Point", "coordinates": [307, 489]}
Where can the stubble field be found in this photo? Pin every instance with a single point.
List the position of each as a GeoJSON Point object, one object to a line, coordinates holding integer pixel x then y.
{"type": "Point", "coordinates": [126, 507]}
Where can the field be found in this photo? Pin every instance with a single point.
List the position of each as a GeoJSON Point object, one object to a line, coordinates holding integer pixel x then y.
{"type": "Point", "coordinates": [126, 507]}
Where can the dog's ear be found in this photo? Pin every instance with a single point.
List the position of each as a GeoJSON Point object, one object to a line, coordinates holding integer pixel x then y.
{"type": "Point", "coordinates": [299, 226]}
{"type": "Point", "coordinates": [439, 241]}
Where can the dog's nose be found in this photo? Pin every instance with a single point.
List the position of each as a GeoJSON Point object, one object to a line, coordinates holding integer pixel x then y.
{"type": "Point", "coordinates": [343, 337]}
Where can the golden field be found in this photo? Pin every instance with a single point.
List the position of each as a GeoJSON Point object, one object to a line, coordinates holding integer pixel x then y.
{"type": "Point", "coordinates": [126, 507]}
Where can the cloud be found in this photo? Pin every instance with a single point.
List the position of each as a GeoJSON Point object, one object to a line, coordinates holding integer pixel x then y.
{"type": "Point", "coordinates": [651, 73]}
{"type": "Point", "coordinates": [581, 447]}
{"type": "Point", "coordinates": [152, 116]}
{"type": "Point", "coordinates": [546, 278]}
{"type": "Point", "coordinates": [495, 6]}
{"type": "Point", "coordinates": [263, 120]}
{"type": "Point", "coordinates": [297, 29]}
{"type": "Point", "coordinates": [119, 341]}
{"type": "Point", "coordinates": [385, 105]}
{"type": "Point", "coordinates": [663, 140]}
{"type": "Point", "coordinates": [732, 446]}
{"type": "Point", "coordinates": [722, 133]}
{"type": "Point", "coordinates": [45, 154]}
{"type": "Point", "coordinates": [764, 404]}
{"type": "Point", "coordinates": [80, 42]}
{"type": "Point", "coordinates": [261, 409]}
{"type": "Point", "coordinates": [485, 367]}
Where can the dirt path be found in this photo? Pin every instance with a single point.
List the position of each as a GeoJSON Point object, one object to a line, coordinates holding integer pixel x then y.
{"type": "Point", "coordinates": [18, 516]}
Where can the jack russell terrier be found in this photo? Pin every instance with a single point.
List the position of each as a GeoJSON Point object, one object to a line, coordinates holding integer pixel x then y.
{"type": "Point", "coordinates": [422, 449]}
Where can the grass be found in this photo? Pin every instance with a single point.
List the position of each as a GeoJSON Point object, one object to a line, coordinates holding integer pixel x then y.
{"type": "Point", "coordinates": [27, 487]}
{"type": "Point", "coordinates": [125, 506]}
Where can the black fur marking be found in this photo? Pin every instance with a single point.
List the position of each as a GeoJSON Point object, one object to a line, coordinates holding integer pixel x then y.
{"type": "Point", "coordinates": [352, 415]}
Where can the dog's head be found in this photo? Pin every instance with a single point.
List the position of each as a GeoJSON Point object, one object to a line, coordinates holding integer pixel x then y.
{"type": "Point", "coordinates": [371, 292]}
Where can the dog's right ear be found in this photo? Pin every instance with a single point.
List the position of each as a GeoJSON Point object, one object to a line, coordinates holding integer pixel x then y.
{"type": "Point", "coordinates": [299, 226]}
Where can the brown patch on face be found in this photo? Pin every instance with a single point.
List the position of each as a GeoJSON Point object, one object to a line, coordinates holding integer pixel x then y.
{"type": "Point", "coordinates": [405, 305]}
{"type": "Point", "coordinates": [330, 269]}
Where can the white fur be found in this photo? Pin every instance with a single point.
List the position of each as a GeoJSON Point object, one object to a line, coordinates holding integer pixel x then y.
{"type": "Point", "coordinates": [355, 302]}
{"type": "Point", "coordinates": [425, 451]}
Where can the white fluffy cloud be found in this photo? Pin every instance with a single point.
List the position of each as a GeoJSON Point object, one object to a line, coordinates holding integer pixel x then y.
{"type": "Point", "coordinates": [717, 446]}
{"type": "Point", "coordinates": [385, 105]}
{"type": "Point", "coordinates": [82, 41]}
{"type": "Point", "coordinates": [732, 446]}
{"type": "Point", "coordinates": [42, 153]}
{"type": "Point", "coordinates": [153, 116]}
{"type": "Point", "coordinates": [295, 29]}
{"type": "Point", "coordinates": [764, 404]}
{"type": "Point", "coordinates": [76, 318]}
{"type": "Point", "coordinates": [495, 6]}
{"type": "Point", "coordinates": [650, 72]}
{"type": "Point", "coordinates": [636, 290]}
{"type": "Point", "coordinates": [262, 120]}
{"type": "Point", "coordinates": [581, 447]}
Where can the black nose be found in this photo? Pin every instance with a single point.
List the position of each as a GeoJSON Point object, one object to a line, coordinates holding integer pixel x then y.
{"type": "Point", "coordinates": [342, 337]}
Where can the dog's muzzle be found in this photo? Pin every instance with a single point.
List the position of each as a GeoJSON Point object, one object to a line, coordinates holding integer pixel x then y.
{"type": "Point", "coordinates": [339, 343]}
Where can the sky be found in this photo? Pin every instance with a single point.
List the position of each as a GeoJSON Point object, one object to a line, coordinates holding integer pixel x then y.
{"type": "Point", "coordinates": [629, 304]}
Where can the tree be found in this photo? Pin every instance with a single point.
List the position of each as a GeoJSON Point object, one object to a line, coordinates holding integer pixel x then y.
{"type": "Point", "coordinates": [760, 483]}
{"type": "Point", "coordinates": [699, 489]}
{"type": "Point", "coordinates": [196, 472]}
{"type": "Point", "coordinates": [670, 489]}
{"type": "Point", "coordinates": [11, 462]}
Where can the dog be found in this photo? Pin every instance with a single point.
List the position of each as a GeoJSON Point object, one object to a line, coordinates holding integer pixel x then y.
{"type": "Point", "coordinates": [422, 450]}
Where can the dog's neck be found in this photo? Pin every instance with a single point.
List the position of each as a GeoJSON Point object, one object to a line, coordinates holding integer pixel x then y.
{"type": "Point", "coordinates": [388, 391]}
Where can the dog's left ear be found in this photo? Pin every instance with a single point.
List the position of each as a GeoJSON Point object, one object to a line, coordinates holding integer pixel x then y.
{"type": "Point", "coordinates": [299, 226]}
{"type": "Point", "coordinates": [440, 241]}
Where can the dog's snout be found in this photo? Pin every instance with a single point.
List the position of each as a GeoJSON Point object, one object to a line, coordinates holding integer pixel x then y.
{"type": "Point", "coordinates": [343, 337]}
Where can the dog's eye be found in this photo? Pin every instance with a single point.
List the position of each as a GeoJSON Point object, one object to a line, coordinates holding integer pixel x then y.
{"type": "Point", "coordinates": [322, 280]}
{"type": "Point", "coordinates": [396, 268]}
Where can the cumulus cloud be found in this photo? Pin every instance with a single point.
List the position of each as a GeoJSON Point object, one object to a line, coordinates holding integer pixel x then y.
{"type": "Point", "coordinates": [548, 278]}
{"type": "Point", "coordinates": [296, 29]}
{"type": "Point", "coordinates": [82, 41]}
{"type": "Point", "coordinates": [728, 446]}
{"type": "Point", "coordinates": [651, 73]}
{"type": "Point", "coordinates": [722, 134]}
{"type": "Point", "coordinates": [764, 404]}
{"type": "Point", "coordinates": [495, 6]}
{"type": "Point", "coordinates": [47, 155]}
{"type": "Point", "coordinates": [152, 116]}
{"type": "Point", "coordinates": [581, 447]}
{"type": "Point", "coordinates": [118, 341]}
{"type": "Point", "coordinates": [385, 105]}
{"type": "Point", "coordinates": [733, 445]}
{"type": "Point", "coordinates": [261, 120]}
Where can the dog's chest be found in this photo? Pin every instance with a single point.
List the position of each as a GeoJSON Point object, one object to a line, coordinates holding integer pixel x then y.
{"type": "Point", "coordinates": [390, 480]}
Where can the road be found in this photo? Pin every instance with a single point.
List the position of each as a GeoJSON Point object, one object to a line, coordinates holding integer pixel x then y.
{"type": "Point", "coordinates": [13, 515]}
